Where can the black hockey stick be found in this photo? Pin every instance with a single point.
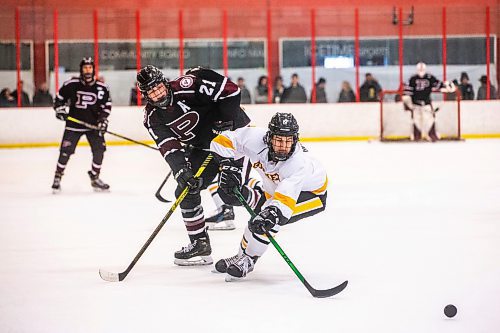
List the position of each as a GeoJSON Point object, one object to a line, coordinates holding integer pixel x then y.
{"type": "Point", "coordinates": [157, 194]}
{"type": "Point", "coordinates": [78, 121]}
{"type": "Point", "coordinates": [115, 277]}
{"type": "Point", "coordinates": [315, 292]}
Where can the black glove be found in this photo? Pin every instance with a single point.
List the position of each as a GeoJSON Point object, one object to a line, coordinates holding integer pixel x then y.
{"type": "Point", "coordinates": [265, 220]}
{"type": "Point", "coordinates": [220, 126]}
{"type": "Point", "coordinates": [230, 176]}
{"type": "Point", "coordinates": [61, 112]}
{"type": "Point", "coordinates": [102, 126]}
{"type": "Point", "coordinates": [185, 177]}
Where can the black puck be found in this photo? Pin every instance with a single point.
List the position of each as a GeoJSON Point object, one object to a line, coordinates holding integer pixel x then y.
{"type": "Point", "coordinates": [450, 310]}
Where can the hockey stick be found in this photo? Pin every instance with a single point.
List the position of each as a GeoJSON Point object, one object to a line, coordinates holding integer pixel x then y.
{"type": "Point", "coordinates": [115, 277]}
{"type": "Point", "coordinates": [157, 194]}
{"type": "Point", "coordinates": [78, 121]}
{"type": "Point", "coordinates": [315, 292]}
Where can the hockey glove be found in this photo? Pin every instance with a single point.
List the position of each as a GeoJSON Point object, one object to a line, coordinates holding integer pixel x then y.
{"type": "Point", "coordinates": [61, 112]}
{"type": "Point", "coordinates": [185, 177]}
{"type": "Point", "coordinates": [220, 126]}
{"type": "Point", "coordinates": [102, 126]}
{"type": "Point", "coordinates": [265, 220]}
{"type": "Point", "coordinates": [230, 176]}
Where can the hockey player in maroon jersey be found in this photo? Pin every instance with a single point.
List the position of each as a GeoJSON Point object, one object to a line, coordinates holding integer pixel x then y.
{"type": "Point", "coordinates": [89, 101]}
{"type": "Point", "coordinates": [190, 110]}
{"type": "Point", "coordinates": [417, 99]}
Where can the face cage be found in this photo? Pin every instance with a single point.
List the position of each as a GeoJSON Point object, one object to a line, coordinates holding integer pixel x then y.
{"type": "Point", "coordinates": [161, 103]}
{"type": "Point", "coordinates": [274, 156]}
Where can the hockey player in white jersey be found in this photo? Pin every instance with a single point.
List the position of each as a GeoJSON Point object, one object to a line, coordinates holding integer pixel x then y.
{"type": "Point", "coordinates": [417, 99]}
{"type": "Point", "coordinates": [294, 185]}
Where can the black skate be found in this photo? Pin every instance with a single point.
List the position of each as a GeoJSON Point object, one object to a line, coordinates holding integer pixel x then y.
{"type": "Point", "coordinates": [222, 265]}
{"type": "Point", "coordinates": [195, 254]}
{"type": "Point", "coordinates": [223, 220]}
{"type": "Point", "coordinates": [56, 185]}
{"type": "Point", "coordinates": [240, 268]}
{"type": "Point", "coordinates": [97, 184]}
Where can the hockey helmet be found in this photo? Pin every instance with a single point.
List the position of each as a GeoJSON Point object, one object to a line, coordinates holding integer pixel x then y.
{"type": "Point", "coordinates": [87, 77]}
{"type": "Point", "coordinates": [148, 80]}
{"type": "Point", "coordinates": [282, 124]}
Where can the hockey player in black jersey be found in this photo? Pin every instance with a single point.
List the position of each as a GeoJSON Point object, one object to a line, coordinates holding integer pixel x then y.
{"type": "Point", "coordinates": [88, 100]}
{"type": "Point", "coordinates": [417, 99]}
{"type": "Point", "coordinates": [189, 111]}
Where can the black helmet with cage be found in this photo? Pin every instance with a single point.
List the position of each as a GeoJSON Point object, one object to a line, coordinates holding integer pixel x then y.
{"type": "Point", "coordinates": [149, 83]}
{"type": "Point", "coordinates": [87, 77]}
{"type": "Point", "coordinates": [282, 124]}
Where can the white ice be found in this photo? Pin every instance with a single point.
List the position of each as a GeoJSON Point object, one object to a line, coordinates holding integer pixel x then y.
{"type": "Point", "coordinates": [413, 227]}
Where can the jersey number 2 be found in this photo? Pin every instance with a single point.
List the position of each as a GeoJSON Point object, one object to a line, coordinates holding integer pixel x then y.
{"type": "Point", "coordinates": [205, 89]}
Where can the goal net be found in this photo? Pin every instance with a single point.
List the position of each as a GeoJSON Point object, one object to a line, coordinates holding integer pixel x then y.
{"type": "Point", "coordinates": [396, 124]}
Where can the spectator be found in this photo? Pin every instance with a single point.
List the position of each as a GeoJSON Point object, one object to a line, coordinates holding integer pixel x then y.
{"type": "Point", "coordinates": [295, 93]}
{"type": "Point", "coordinates": [133, 95]}
{"type": "Point", "coordinates": [261, 90]}
{"type": "Point", "coordinates": [370, 90]}
{"type": "Point", "coordinates": [25, 100]}
{"type": "Point", "coordinates": [466, 89]}
{"type": "Point", "coordinates": [42, 96]}
{"type": "Point", "coordinates": [320, 91]}
{"type": "Point", "coordinates": [346, 94]}
{"type": "Point", "coordinates": [245, 94]}
{"type": "Point", "coordinates": [481, 92]}
{"type": "Point", "coordinates": [278, 90]}
{"type": "Point", "coordinates": [6, 99]}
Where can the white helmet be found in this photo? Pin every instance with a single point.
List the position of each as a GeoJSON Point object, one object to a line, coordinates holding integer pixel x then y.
{"type": "Point", "coordinates": [421, 69]}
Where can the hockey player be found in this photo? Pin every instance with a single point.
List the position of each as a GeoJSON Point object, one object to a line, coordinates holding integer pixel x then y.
{"type": "Point", "coordinates": [294, 185]}
{"type": "Point", "coordinates": [188, 111]}
{"type": "Point", "coordinates": [417, 99]}
{"type": "Point", "coordinates": [89, 101]}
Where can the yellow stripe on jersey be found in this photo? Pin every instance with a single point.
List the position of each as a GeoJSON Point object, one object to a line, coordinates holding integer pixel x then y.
{"type": "Point", "coordinates": [307, 206]}
{"type": "Point", "coordinates": [285, 200]}
{"type": "Point", "coordinates": [213, 188]}
{"type": "Point", "coordinates": [268, 196]}
{"type": "Point", "coordinates": [322, 189]}
{"type": "Point", "coordinates": [244, 243]}
{"type": "Point", "coordinates": [224, 141]}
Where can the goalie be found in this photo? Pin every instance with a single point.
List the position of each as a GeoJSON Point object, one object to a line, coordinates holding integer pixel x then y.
{"type": "Point", "coordinates": [417, 99]}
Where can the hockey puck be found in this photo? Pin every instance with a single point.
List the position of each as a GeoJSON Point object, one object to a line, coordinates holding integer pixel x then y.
{"type": "Point", "coordinates": [450, 310]}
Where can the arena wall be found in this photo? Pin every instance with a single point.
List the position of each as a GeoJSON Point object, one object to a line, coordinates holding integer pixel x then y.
{"type": "Point", "coordinates": [38, 127]}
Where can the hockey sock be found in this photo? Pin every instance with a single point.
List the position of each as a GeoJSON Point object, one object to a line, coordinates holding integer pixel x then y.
{"type": "Point", "coordinates": [62, 162]}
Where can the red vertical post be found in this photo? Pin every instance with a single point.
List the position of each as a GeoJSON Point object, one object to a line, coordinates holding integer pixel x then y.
{"type": "Point", "coordinates": [138, 49]}
{"type": "Point", "coordinates": [444, 55]}
{"type": "Point", "coordinates": [181, 42]}
{"type": "Point", "coordinates": [356, 50]}
{"type": "Point", "coordinates": [313, 55]}
{"type": "Point", "coordinates": [18, 58]}
{"type": "Point", "coordinates": [56, 49]}
{"type": "Point", "coordinates": [224, 41]}
{"type": "Point", "coordinates": [96, 43]}
{"type": "Point", "coordinates": [269, 61]}
{"type": "Point", "coordinates": [400, 48]}
{"type": "Point", "coordinates": [488, 53]}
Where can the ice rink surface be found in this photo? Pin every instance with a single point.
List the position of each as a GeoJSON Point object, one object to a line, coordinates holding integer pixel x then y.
{"type": "Point", "coordinates": [413, 227]}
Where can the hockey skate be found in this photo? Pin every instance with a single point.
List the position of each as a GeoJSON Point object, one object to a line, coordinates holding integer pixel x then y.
{"type": "Point", "coordinates": [223, 220]}
{"type": "Point", "coordinates": [196, 253]}
{"type": "Point", "coordinates": [222, 265]}
{"type": "Point", "coordinates": [240, 268]}
{"type": "Point", "coordinates": [97, 184]}
{"type": "Point", "coordinates": [56, 185]}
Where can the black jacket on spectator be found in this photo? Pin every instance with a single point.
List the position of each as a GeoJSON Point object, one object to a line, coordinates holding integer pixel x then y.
{"type": "Point", "coordinates": [25, 100]}
{"type": "Point", "coordinates": [320, 95]}
{"type": "Point", "coordinates": [295, 94]}
{"type": "Point", "coordinates": [346, 96]}
{"type": "Point", "coordinates": [481, 92]}
{"type": "Point", "coordinates": [369, 91]}
{"type": "Point", "coordinates": [42, 98]}
{"type": "Point", "coordinates": [467, 91]}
